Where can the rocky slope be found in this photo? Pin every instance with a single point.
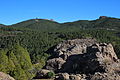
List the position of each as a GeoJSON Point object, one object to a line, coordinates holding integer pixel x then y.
{"type": "Point", "coordinates": [83, 59]}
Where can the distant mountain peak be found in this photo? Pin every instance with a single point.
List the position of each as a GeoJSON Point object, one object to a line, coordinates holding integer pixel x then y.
{"type": "Point", "coordinates": [104, 22]}
{"type": "Point", "coordinates": [103, 17]}
{"type": "Point", "coordinates": [2, 25]}
{"type": "Point", "coordinates": [37, 19]}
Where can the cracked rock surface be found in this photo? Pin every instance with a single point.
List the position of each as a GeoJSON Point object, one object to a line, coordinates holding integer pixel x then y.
{"type": "Point", "coordinates": [84, 59]}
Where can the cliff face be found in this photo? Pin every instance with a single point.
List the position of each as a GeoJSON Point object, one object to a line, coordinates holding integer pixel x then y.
{"type": "Point", "coordinates": [84, 59]}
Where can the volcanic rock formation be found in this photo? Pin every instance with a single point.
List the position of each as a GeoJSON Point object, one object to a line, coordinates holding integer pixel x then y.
{"type": "Point", "coordinates": [86, 59]}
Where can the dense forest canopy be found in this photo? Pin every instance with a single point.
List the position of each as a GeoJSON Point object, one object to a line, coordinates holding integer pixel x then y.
{"type": "Point", "coordinates": [24, 46]}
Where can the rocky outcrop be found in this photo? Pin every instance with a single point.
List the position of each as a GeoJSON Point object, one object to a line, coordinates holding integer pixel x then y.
{"type": "Point", "coordinates": [96, 59]}
{"type": "Point", "coordinates": [42, 73]}
{"type": "Point", "coordinates": [62, 76]}
{"type": "Point", "coordinates": [4, 76]}
{"type": "Point", "coordinates": [73, 58]}
{"type": "Point", "coordinates": [55, 64]}
{"type": "Point", "coordinates": [66, 76]}
{"type": "Point", "coordinates": [105, 76]}
{"type": "Point", "coordinates": [71, 47]}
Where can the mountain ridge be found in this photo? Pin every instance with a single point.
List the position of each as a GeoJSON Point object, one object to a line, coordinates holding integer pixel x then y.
{"type": "Point", "coordinates": [43, 24]}
{"type": "Point", "coordinates": [103, 22]}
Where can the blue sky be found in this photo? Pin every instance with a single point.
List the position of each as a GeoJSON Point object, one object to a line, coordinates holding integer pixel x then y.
{"type": "Point", "coordinates": [14, 11]}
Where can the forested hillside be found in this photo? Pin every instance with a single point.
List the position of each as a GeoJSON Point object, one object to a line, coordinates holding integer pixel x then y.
{"type": "Point", "coordinates": [38, 36]}
{"type": "Point", "coordinates": [1, 25]}
{"type": "Point", "coordinates": [101, 23]}
{"type": "Point", "coordinates": [38, 24]}
{"type": "Point", "coordinates": [16, 62]}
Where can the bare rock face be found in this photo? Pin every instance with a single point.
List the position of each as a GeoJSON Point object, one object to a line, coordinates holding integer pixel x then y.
{"type": "Point", "coordinates": [97, 61]}
{"type": "Point", "coordinates": [66, 76]}
{"type": "Point", "coordinates": [4, 76]}
{"type": "Point", "coordinates": [42, 73]}
{"type": "Point", "coordinates": [104, 52]}
{"type": "Point", "coordinates": [75, 77]}
{"type": "Point", "coordinates": [63, 76]}
{"type": "Point", "coordinates": [105, 76]}
{"type": "Point", "coordinates": [55, 64]}
{"type": "Point", "coordinates": [71, 47]}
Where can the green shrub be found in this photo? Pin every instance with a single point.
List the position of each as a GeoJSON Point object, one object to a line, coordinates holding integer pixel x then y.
{"type": "Point", "coordinates": [50, 74]}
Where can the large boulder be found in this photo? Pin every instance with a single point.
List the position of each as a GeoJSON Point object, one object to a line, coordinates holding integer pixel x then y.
{"type": "Point", "coordinates": [55, 64]}
{"type": "Point", "coordinates": [63, 76]}
{"type": "Point", "coordinates": [97, 58]}
{"type": "Point", "coordinates": [103, 52]}
{"type": "Point", "coordinates": [71, 47]}
{"type": "Point", "coordinates": [42, 73]}
{"type": "Point", "coordinates": [4, 76]}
